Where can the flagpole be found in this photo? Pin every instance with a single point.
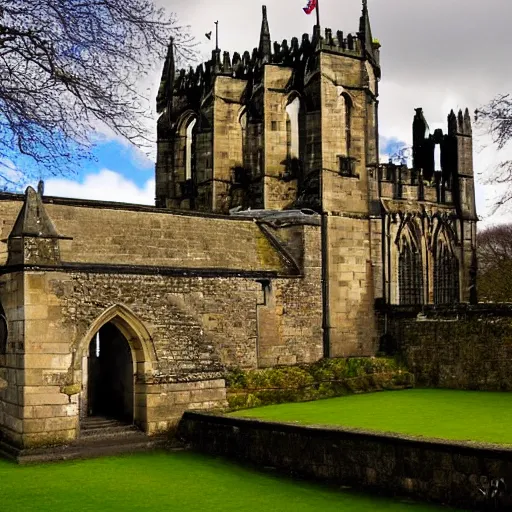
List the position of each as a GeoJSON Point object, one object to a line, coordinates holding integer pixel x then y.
{"type": "Point", "coordinates": [318, 13]}
{"type": "Point", "coordinates": [217, 35]}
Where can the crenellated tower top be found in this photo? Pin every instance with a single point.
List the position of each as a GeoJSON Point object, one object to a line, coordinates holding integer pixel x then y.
{"type": "Point", "coordinates": [197, 83]}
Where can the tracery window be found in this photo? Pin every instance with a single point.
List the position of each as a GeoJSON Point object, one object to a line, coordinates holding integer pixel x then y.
{"type": "Point", "coordinates": [410, 275]}
{"type": "Point", "coordinates": [446, 276]}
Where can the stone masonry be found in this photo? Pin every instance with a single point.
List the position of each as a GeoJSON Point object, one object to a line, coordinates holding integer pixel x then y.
{"type": "Point", "coordinates": [275, 233]}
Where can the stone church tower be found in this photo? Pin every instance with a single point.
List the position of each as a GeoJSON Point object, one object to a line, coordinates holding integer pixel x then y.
{"type": "Point", "coordinates": [293, 125]}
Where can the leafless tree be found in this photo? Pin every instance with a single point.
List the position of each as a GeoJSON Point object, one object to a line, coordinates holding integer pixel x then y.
{"type": "Point", "coordinates": [495, 263]}
{"type": "Point", "coordinates": [496, 119]}
{"type": "Point", "coordinates": [69, 66]}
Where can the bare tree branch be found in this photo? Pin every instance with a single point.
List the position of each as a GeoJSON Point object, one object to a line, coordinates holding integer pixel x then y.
{"type": "Point", "coordinates": [67, 66]}
{"type": "Point", "coordinates": [495, 118]}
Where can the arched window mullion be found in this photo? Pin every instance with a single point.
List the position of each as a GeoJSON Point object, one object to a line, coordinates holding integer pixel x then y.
{"type": "Point", "coordinates": [410, 276]}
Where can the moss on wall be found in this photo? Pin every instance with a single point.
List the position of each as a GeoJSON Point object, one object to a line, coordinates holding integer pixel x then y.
{"type": "Point", "coordinates": [324, 379]}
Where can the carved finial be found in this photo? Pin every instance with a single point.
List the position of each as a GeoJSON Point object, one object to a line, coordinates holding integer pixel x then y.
{"type": "Point", "coordinates": [328, 37]}
{"type": "Point", "coordinates": [452, 123]}
{"type": "Point", "coordinates": [350, 42]}
{"type": "Point", "coordinates": [226, 63]}
{"type": "Point", "coordinates": [468, 130]}
{"type": "Point", "coordinates": [305, 42]}
{"type": "Point", "coordinates": [265, 50]}
{"type": "Point", "coordinates": [167, 81]}
{"type": "Point", "coordinates": [460, 121]}
{"type": "Point", "coordinates": [33, 224]}
{"type": "Point", "coordinates": [365, 33]}
{"type": "Point", "coordinates": [277, 52]}
{"type": "Point", "coordinates": [341, 39]}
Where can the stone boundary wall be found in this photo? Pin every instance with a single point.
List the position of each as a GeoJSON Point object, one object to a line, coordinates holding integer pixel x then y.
{"type": "Point", "coordinates": [460, 347]}
{"type": "Point", "coordinates": [432, 470]}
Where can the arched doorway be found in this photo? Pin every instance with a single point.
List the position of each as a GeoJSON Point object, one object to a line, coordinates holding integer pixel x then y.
{"type": "Point", "coordinates": [110, 375]}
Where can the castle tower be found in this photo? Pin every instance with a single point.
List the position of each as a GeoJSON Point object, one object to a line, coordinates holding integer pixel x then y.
{"type": "Point", "coordinates": [349, 159]}
{"type": "Point", "coordinates": [465, 203]}
{"type": "Point", "coordinates": [288, 126]}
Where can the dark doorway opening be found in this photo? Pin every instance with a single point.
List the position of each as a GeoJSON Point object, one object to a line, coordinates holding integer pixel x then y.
{"type": "Point", "coordinates": [110, 375]}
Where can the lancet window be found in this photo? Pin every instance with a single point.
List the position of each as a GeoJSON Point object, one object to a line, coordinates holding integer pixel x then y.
{"type": "Point", "coordinates": [190, 149]}
{"type": "Point", "coordinates": [292, 128]}
{"type": "Point", "coordinates": [348, 122]}
{"type": "Point", "coordinates": [446, 276]}
{"type": "Point", "coordinates": [410, 270]}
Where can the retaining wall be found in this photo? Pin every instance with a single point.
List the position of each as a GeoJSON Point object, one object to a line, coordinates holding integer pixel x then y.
{"type": "Point", "coordinates": [439, 471]}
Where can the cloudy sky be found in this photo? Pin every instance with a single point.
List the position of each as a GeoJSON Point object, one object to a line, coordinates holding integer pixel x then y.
{"type": "Point", "coordinates": [437, 54]}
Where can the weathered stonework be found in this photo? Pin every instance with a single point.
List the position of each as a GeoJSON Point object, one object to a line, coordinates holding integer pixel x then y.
{"type": "Point", "coordinates": [448, 472]}
{"type": "Point", "coordinates": [464, 347]}
{"type": "Point", "coordinates": [276, 230]}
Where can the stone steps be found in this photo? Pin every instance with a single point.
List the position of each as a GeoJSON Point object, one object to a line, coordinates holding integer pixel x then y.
{"type": "Point", "coordinates": [99, 437]}
{"type": "Point", "coordinates": [99, 428]}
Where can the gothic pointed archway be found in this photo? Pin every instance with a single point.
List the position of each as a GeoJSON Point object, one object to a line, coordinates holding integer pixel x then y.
{"type": "Point", "coordinates": [110, 376]}
{"type": "Point", "coordinates": [113, 359]}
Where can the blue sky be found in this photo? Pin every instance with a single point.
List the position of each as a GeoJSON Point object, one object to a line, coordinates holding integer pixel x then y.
{"type": "Point", "coordinates": [126, 160]}
{"type": "Point", "coordinates": [116, 171]}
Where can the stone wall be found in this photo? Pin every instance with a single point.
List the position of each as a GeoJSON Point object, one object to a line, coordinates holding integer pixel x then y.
{"type": "Point", "coordinates": [464, 347]}
{"type": "Point", "coordinates": [233, 295]}
{"type": "Point", "coordinates": [12, 291]}
{"type": "Point", "coordinates": [445, 472]}
{"type": "Point", "coordinates": [105, 233]}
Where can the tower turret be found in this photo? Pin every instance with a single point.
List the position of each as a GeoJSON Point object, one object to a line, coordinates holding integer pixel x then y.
{"type": "Point", "coordinates": [265, 46]}
{"type": "Point", "coordinates": [167, 82]}
{"type": "Point", "coordinates": [465, 173]}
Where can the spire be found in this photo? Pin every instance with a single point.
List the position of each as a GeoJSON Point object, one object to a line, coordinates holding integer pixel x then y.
{"type": "Point", "coordinates": [33, 239]}
{"type": "Point", "coordinates": [452, 123]}
{"type": "Point", "coordinates": [264, 49]}
{"type": "Point", "coordinates": [467, 123]}
{"type": "Point", "coordinates": [32, 219]}
{"type": "Point", "coordinates": [365, 33]}
{"type": "Point", "coordinates": [167, 82]}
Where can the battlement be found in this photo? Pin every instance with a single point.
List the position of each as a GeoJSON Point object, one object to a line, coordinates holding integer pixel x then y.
{"type": "Point", "coordinates": [248, 65]}
{"type": "Point", "coordinates": [403, 183]}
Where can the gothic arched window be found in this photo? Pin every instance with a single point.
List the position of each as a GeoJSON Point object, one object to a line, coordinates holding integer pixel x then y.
{"type": "Point", "coordinates": [190, 149]}
{"type": "Point", "coordinates": [292, 128]}
{"type": "Point", "coordinates": [446, 276]}
{"type": "Point", "coordinates": [243, 125]}
{"type": "Point", "coordinates": [348, 122]}
{"type": "Point", "coordinates": [410, 275]}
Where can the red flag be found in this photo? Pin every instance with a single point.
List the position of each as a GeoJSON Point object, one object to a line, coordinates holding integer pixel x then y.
{"type": "Point", "coordinates": [310, 7]}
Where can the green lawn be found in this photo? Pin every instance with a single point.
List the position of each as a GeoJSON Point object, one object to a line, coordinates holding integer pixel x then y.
{"type": "Point", "coordinates": [462, 415]}
{"type": "Point", "coordinates": [173, 482]}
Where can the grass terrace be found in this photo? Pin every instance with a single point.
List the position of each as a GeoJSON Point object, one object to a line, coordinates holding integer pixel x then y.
{"type": "Point", "coordinates": [180, 481]}
{"type": "Point", "coordinates": [478, 416]}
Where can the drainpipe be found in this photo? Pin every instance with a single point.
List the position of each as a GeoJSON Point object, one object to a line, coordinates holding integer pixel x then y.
{"type": "Point", "coordinates": [326, 325]}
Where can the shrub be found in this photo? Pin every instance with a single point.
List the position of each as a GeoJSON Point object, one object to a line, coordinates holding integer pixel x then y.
{"type": "Point", "coordinates": [324, 379]}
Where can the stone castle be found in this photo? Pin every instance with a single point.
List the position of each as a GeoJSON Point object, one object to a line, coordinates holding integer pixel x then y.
{"type": "Point", "coordinates": [276, 236]}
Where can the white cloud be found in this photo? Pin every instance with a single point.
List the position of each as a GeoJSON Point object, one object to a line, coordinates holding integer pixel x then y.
{"type": "Point", "coordinates": [105, 185]}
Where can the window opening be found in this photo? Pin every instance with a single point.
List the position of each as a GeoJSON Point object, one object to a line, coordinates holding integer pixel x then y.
{"type": "Point", "coordinates": [410, 278]}
{"type": "Point", "coordinates": [189, 149]}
